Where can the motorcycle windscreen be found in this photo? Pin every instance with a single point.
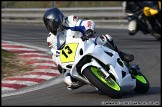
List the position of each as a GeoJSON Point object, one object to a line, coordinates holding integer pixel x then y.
{"type": "Point", "coordinates": [61, 40]}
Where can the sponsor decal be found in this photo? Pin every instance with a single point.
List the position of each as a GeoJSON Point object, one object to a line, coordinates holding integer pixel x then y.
{"type": "Point", "coordinates": [74, 18]}
{"type": "Point", "coordinates": [89, 23]}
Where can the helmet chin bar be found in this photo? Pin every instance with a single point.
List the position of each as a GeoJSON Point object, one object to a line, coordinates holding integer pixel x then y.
{"type": "Point", "coordinates": [61, 28]}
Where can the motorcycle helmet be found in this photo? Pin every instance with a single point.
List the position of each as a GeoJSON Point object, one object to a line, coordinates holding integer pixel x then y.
{"type": "Point", "coordinates": [53, 20]}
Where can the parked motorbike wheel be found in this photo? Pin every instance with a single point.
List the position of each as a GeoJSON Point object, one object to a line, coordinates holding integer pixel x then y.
{"type": "Point", "coordinates": [157, 37]}
{"type": "Point", "coordinates": [108, 86]}
{"type": "Point", "coordinates": [142, 84]}
{"type": "Point", "coordinates": [147, 28]}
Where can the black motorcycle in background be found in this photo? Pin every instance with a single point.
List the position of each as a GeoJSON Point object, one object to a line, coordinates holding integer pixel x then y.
{"type": "Point", "coordinates": [147, 15]}
{"type": "Point", "coordinates": [149, 19]}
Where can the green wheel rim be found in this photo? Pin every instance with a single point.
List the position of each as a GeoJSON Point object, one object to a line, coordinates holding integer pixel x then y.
{"type": "Point", "coordinates": [140, 78]}
{"type": "Point", "coordinates": [111, 83]}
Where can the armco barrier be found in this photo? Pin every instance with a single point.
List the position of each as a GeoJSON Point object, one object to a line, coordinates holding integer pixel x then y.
{"type": "Point", "coordinates": [103, 16]}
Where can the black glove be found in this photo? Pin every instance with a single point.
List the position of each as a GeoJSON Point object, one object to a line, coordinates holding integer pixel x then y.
{"type": "Point", "coordinates": [88, 33]}
{"type": "Point", "coordinates": [61, 70]}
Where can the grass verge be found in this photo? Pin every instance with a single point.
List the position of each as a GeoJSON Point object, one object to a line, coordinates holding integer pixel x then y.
{"type": "Point", "coordinates": [13, 65]}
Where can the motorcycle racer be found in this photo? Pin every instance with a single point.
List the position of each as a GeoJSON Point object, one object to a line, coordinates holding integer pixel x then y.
{"type": "Point", "coordinates": [55, 22]}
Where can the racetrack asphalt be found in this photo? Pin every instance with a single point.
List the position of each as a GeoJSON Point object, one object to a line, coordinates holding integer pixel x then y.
{"type": "Point", "coordinates": [145, 48]}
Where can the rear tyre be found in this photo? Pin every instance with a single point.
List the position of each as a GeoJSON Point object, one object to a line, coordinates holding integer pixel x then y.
{"type": "Point", "coordinates": [108, 86]}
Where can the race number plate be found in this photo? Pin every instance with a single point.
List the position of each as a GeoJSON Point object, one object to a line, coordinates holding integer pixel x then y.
{"type": "Point", "coordinates": [67, 54]}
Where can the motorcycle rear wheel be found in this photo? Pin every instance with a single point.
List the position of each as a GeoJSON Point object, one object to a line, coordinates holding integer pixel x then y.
{"type": "Point", "coordinates": [108, 86]}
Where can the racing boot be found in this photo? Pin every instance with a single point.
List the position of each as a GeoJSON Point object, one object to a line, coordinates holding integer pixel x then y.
{"type": "Point", "coordinates": [132, 27]}
{"type": "Point", "coordinates": [126, 57]}
{"type": "Point", "coordinates": [72, 83]}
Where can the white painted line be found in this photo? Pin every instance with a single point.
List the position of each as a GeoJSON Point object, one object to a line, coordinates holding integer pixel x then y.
{"type": "Point", "coordinates": [7, 89]}
{"type": "Point", "coordinates": [31, 53]}
{"type": "Point", "coordinates": [45, 77]}
{"type": "Point", "coordinates": [46, 70]}
{"type": "Point", "coordinates": [40, 58]}
{"type": "Point", "coordinates": [26, 49]}
{"type": "Point", "coordinates": [21, 82]}
{"type": "Point", "coordinates": [6, 44]}
{"type": "Point", "coordinates": [29, 89]}
{"type": "Point", "coordinates": [44, 64]}
{"type": "Point", "coordinates": [34, 47]}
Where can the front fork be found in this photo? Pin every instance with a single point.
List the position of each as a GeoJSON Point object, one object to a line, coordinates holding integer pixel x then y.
{"type": "Point", "coordinates": [134, 69]}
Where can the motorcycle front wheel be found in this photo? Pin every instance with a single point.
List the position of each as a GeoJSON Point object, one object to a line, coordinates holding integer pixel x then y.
{"type": "Point", "coordinates": [108, 86]}
{"type": "Point", "coordinates": [142, 84]}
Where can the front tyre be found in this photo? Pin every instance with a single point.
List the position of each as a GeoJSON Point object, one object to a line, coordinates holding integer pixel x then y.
{"type": "Point", "coordinates": [142, 84]}
{"type": "Point", "coordinates": [108, 86]}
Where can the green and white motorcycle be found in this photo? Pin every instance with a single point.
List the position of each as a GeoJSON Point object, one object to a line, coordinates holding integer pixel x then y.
{"type": "Point", "coordinates": [99, 65]}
